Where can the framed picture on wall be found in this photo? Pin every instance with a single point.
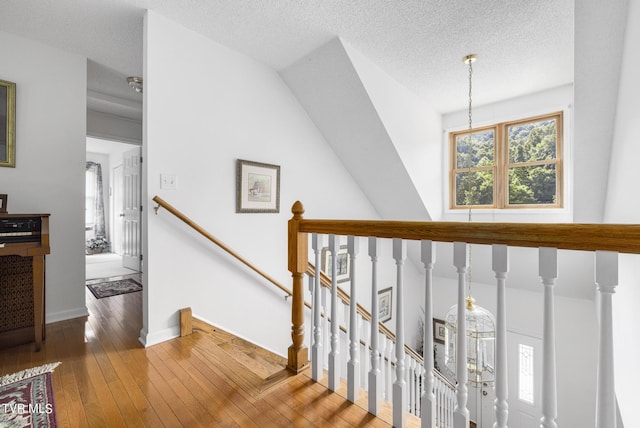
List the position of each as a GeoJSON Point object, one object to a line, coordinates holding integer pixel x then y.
{"type": "Point", "coordinates": [385, 304]}
{"type": "Point", "coordinates": [343, 264]}
{"type": "Point", "coordinates": [257, 187]}
{"type": "Point", "coordinates": [7, 124]}
{"type": "Point", "coordinates": [439, 331]}
{"type": "Point", "coordinates": [3, 204]}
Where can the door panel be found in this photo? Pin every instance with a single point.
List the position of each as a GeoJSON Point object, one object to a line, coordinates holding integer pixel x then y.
{"type": "Point", "coordinates": [118, 211]}
{"type": "Point", "coordinates": [524, 355]}
{"type": "Point", "coordinates": [131, 242]}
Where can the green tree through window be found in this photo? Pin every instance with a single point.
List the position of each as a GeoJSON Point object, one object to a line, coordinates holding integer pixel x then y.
{"type": "Point", "coordinates": [508, 165]}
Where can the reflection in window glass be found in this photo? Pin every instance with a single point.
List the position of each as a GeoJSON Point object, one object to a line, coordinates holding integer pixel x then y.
{"type": "Point", "coordinates": [525, 373]}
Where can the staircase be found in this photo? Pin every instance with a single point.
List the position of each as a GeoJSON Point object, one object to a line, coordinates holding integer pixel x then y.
{"type": "Point", "coordinates": [262, 378]}
{"type": "Point", "coordinates": [394, 373]}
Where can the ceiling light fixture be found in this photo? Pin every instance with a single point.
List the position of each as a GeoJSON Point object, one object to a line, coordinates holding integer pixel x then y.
{"type": "Point", "coordinates": [135, 83]}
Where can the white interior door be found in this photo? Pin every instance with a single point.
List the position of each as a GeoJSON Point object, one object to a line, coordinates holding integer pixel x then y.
{"type": "Point", "coordinates": [131, 242]}
{"type": "Point", "coordinates": [524, 355]}
{"type": "Point", "coordinates": [118, 210]}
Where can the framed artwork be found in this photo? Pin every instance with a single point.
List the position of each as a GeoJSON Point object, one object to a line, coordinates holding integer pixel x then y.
{"type": "Point", "coordinates": [343, 265]}
{"type": "Point", "coordinates": [385, 304]}
{"type": "Point", "coordinates": [7, 124]}
{"type": "Point", "coordinates": [257, 187]}
{"type": "Point", "coordinates": [439, 331]}
{"type": "Point", "coordinates": [3, 204]}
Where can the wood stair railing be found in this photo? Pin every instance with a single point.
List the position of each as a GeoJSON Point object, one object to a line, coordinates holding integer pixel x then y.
{"type": "Point", "coordinates": [325, 280]}
{"type": "Point", "coordinates": [605, 241]}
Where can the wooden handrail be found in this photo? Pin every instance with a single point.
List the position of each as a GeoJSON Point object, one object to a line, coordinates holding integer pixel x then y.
{"type": "Point", "coordinates": [216, 241]}
{"type": "Point", "coordinates": [324, 279]}
{"type": "Point", "coordinates": [623, 238]}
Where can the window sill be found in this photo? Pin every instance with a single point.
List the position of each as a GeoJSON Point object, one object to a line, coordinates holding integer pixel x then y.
{"type": "Point", "coordinates": [516, 215]}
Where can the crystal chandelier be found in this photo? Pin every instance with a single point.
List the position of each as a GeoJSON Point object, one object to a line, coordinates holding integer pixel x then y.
{"type": "Point", "coordinates": [481, 324]}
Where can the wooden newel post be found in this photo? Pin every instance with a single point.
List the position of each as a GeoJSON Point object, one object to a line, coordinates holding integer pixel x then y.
{"type": "Point", "coordinates": [298, 261]}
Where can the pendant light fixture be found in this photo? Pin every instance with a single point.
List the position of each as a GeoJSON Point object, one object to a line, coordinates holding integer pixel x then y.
{"type": "Point", "coordinates": [481, 324]}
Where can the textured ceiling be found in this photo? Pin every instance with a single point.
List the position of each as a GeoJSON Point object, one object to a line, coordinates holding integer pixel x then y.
{"type": "Point", "coordinates": [523, 46]}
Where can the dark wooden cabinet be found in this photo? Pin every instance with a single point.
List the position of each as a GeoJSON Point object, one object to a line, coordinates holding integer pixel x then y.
{"type": "Point", "coordinates": [24, 243]}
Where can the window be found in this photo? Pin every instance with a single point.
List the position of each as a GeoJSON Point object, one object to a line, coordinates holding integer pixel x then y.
{"type": "Point", "coordinates": [514, 164]}
{"type": "Point", "coordinates": [90, 198]}
{"type": "Point", "coordinates": [525, 373]}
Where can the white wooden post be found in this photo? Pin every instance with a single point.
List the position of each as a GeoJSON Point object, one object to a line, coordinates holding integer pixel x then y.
{"type": "Point", "coordinates": [548, 270]}
{"type": "Point", "coordinates": [317, 368]}
{"type": "Point", "coordinates": [501, 267]}
{"type": "Point", "coordinates": [607, 280]}
{"type": "Point", "coordinates": [399, 386]}
{"type": "Point", "coordinates": [387, 351]}
{"type": "Point", "coordinates": [375, 378]}
{"type": "Point", "coordinates": [364, 348]}
{"type": "Point", "coordinates": [428, 415]}
{"type": "Point", "coordinates": [353, 366]}
{"type": "Point", "coordinates": [461, 413]}
{"type": "Point", "coordinates": [334, 361]}
{"type": "Point", "coordinates": [325, 326]}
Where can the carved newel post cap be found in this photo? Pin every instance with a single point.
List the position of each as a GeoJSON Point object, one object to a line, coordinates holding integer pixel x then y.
{"type": "Point", "coordinates": [297, 209]}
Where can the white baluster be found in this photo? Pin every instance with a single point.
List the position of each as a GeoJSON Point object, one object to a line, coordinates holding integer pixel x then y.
{"type": "Point", "coordinates": [317, 366]}
{"type": "Point", "coordinates": [353, 366]}
{"type": "Point", "coordinates": [428, 256]}
{"type": "Point", "coordinates": [364, 366]}
{"type": "Point", "coordinates": [375, 378]}
{"type": "Point", "coordinates": [607, 280]}
{"type": "Point", "coordinates": [325, 327]}
{"type": "Point", "coordinates": [334, 361]}
{"type": "Point", "coordinates": [390, 359]}
{"type": "Point", "coordinates": [412, 386]}
{"type": "Point", "coordinates": [461, 262]}
{"type": "Point", "coordinates": [548, 270]}
{"type": "Point", "coordinates": [422, 375]}
{"type": "Point", "coordinates": [309, 337]}
{"type": "Point", "coordinates": [501, 267]}
{"type": "Point", "coordinates": [399, 386]}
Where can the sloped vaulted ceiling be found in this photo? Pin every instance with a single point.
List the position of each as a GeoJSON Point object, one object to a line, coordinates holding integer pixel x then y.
{"type": "Point", "coordinates": [387, 138]}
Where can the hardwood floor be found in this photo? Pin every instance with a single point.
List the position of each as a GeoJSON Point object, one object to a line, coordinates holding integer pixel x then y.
{"type": "Point", "coordinates": [207, 379]}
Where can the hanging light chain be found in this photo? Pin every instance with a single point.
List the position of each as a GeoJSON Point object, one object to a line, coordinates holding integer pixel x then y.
{"type": "Point", "coordinates": [469, 59]}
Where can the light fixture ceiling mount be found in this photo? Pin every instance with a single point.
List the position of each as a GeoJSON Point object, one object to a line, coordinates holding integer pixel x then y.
{"type": "Point", "coordinates": [135, 83]}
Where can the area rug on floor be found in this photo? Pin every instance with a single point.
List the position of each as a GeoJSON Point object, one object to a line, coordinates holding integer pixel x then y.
{"type": "Point", "coordinates": [26, 399]}
{"type": "Point", "coordinates": [107, 287]}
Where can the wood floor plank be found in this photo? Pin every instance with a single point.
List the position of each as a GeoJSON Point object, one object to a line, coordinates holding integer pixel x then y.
{"type": "Point", "coordinates": [207, 379]}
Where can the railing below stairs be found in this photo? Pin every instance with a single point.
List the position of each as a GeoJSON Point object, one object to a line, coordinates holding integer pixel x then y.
{"type": "Point", "coordinates": [604, 239]}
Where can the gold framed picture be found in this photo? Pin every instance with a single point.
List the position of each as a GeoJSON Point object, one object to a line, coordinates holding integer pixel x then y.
{"type": "Point", "coordinates": [7, 124]}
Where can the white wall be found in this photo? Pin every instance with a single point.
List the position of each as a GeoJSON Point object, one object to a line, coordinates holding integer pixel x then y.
{"type": "Point", "coordinates": [110, 127]}
{"type": "Point", "coordinates": [599, 35]}
{"type": "Point", "coordinates": [413, 127]}
{"type": "Point", "coordinates": [623, 206]}
{"type": "Point", "coordinates": [238, 109]}
{"type": "Point", "coordinates": [50, 160]}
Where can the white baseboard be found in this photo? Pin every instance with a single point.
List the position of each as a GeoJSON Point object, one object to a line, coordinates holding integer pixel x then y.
{"type": "Point", "coordinates": [153, 338]}
{"type": "Point", "coordinates": [66, 315]}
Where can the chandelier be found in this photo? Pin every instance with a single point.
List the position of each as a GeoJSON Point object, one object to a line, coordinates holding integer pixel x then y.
{"type": "Point", "coordinates": [480, 323]}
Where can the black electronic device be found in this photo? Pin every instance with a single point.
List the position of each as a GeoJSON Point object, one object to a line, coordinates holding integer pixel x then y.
{"type": "Point", "coordinates": [20, 229]}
